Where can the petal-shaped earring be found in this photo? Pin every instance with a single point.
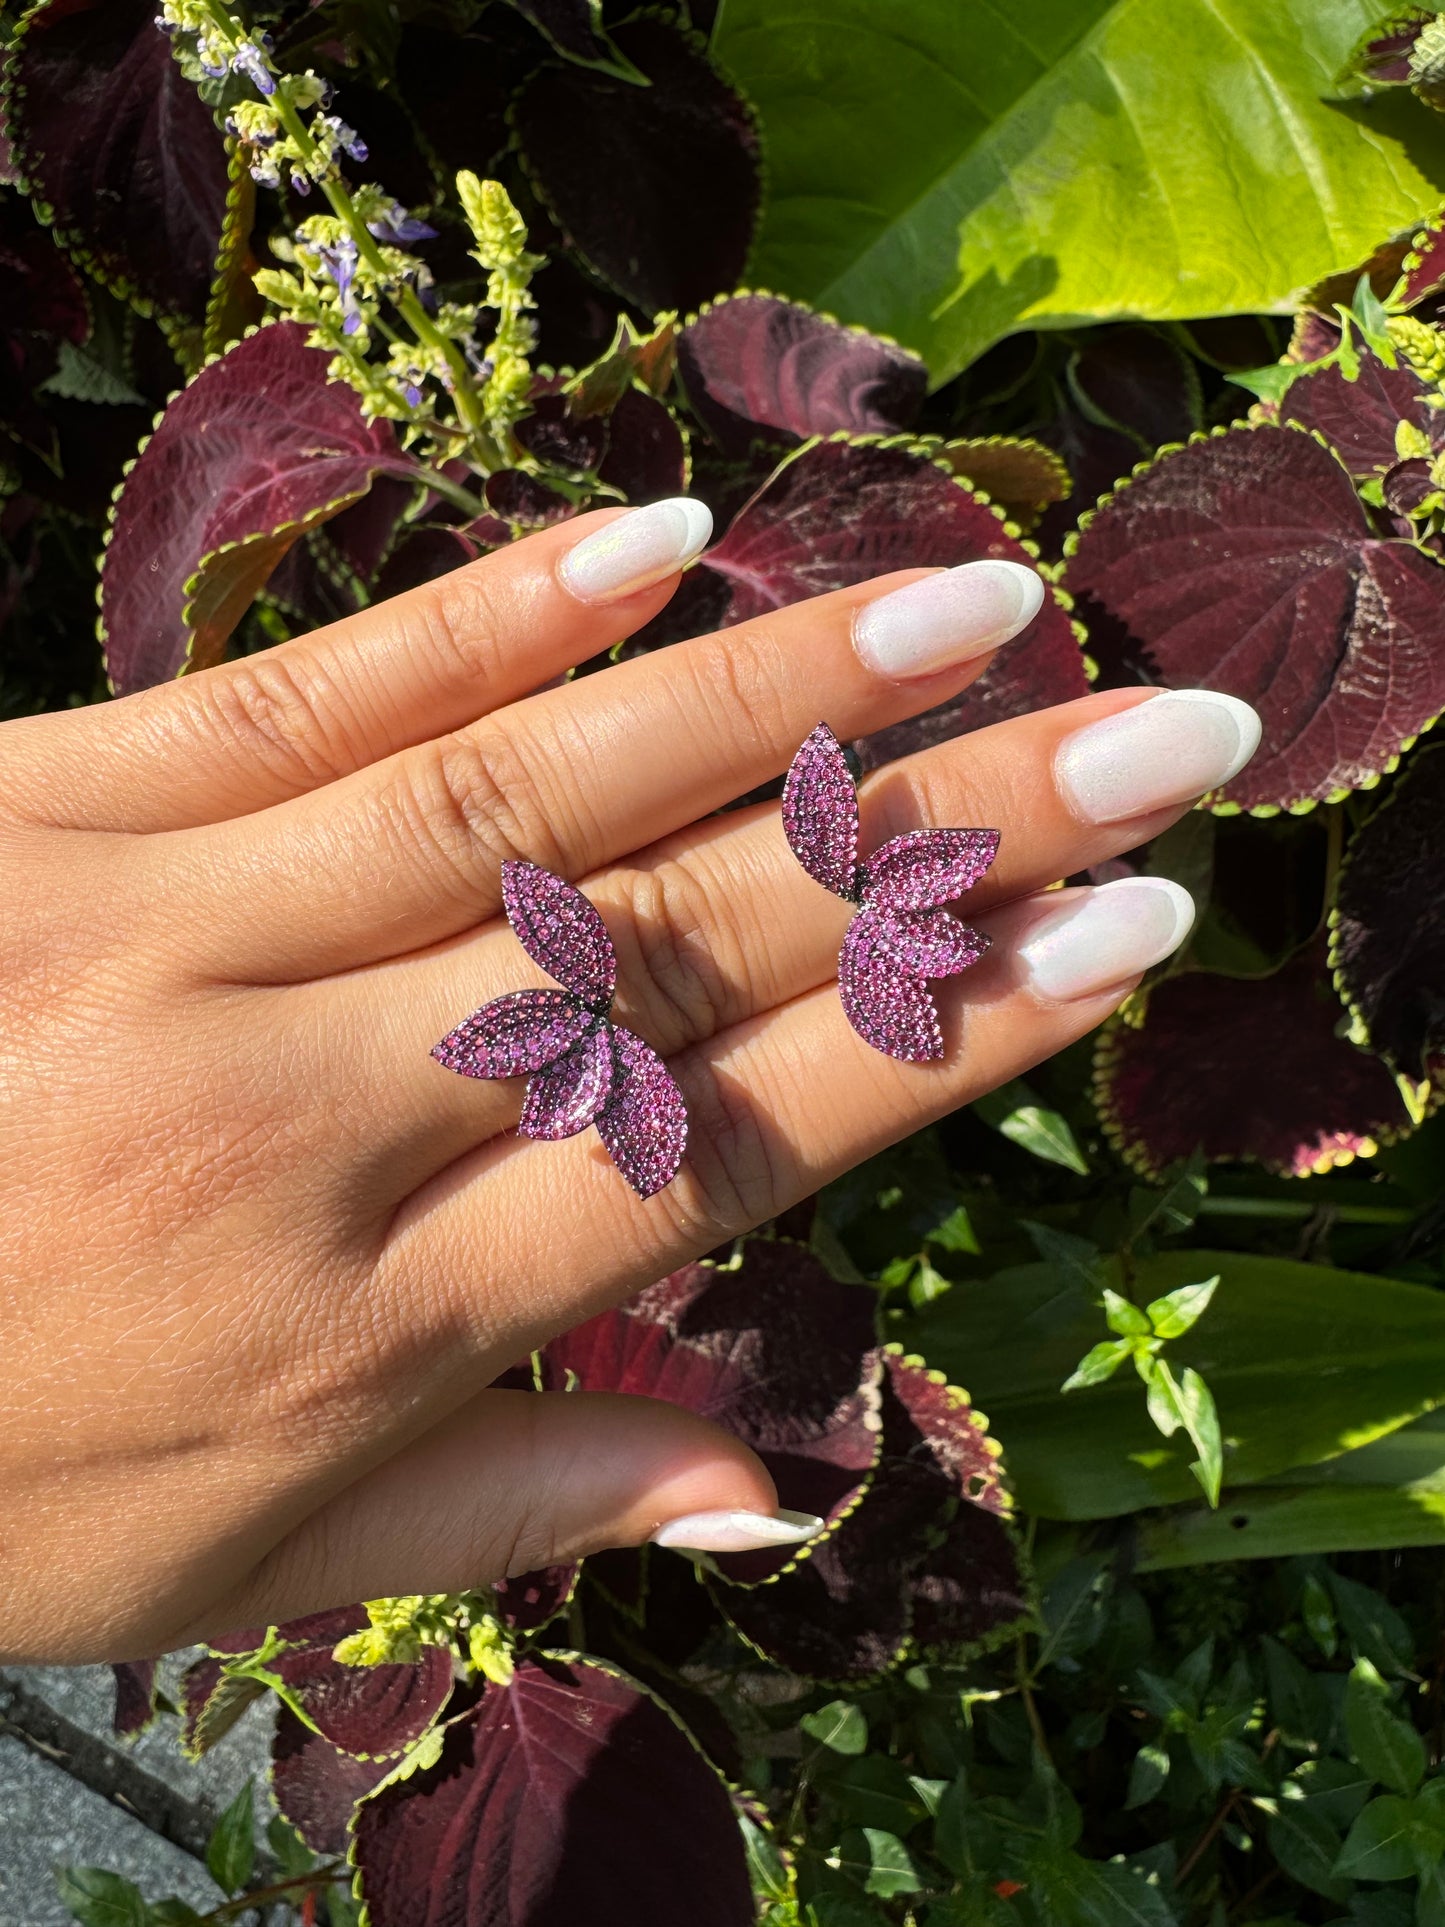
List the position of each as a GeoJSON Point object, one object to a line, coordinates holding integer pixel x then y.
{"type": "Point", "coordinates": [902, 936]}
{"type": "Point", "coordinates": [583, 1069]}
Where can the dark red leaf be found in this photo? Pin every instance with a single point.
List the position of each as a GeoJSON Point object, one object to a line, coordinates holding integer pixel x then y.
{"type": "Point", "coordinates": [1424, 265]}
{"type": "Point", "coordinates": [258, 449]}
{"type": "Point", "coordinates": [524, 501]}
{"type": "Point", "coordinates": [561, 439]}
{"type": "Point", "coordinates": [1388, 928]}
{"type": "Point", "coordinates": [433, 550]}
{"type": "Point", "coordinates": [1240, 1068]}
{"type": "Point", "coordinates": [1246, 563]}
{"type": "Point", "coordinates": [1359, 418]}
{"type": "Point", "coordinates": [574, 28]}
{"type": "Point", "coordinates": [211, 1704]}
{"type": "Point", "coordinates": [315, 1785]}
{"type": "Point", "coordinates": [657, 186]}
{"type": "Point", "coordinates": [1096, 458]}
{"type": "Point", "coordinates": [757, 368]}
{"type": "Point", "coordinates": [646, 455]}
{"type": "Point", "coordinates": [119, 150]}
{"type": "Point", "coordinates": [41, 291]}
{"type": "Point", "coordinates": [533, 1599]}
{"type": "Point", "coordinates": [1384, 58]}
{"type": "Point", "coordinates": [925, 1559]}
{"type": "Point", "coordinates": [777, 1352]}
{"type": "Point", "coordinates": [135, 1697]}
{"type": "Point", "coordinates": [1134, 379]}
{"type": "Point", "coordinates": [372, 1711]}
{"type": "Point", "coordinates": [1024, 477]}
{"type": "Point", "coordinates": [567, 1796]}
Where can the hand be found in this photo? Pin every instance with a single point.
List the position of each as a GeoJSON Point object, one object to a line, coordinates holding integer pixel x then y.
{"type": "Point", "coordinates": [262, 1254]}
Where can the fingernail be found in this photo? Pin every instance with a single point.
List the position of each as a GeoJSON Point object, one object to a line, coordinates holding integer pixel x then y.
{"type": "Point", "coordinates": [636, 550]}
{"type": "Point", "coordinates": [946, 618]}
{"type": "Point", "coordinates": [737, 1531]}
{"type": "Point", "coordinates": [1178, 745]}
{"type": "Point", "coordinates": [1102, 937]}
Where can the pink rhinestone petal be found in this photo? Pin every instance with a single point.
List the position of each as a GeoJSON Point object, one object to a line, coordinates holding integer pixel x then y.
{"type": "Point", "coordinates": [645, 1123]}
{"type": "Point", "coordinates": [932, 943]}
{"type": "Point", "coordinates": [566, 1097]}
{"type": "Point", "coordinates": [820, 813]}
{"type": "Point", "coordinates": [560, 930]}
{"type": "Point", "coordinates": [927, 867]}
{"type": "Point", "coordinates": [885, 997]}
{"type": "Point", "coordinates": [521, 1032]}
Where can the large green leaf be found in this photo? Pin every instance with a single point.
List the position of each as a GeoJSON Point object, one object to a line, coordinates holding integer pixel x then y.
{"type": "Point", "coordinates": [1304, 1363]}
{"type": "Point", "coordinates": [946, 171]}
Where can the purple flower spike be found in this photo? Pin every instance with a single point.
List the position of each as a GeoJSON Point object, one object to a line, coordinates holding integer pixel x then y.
{"type": "Point", "coordinates": [582, 1068]}
{"type": "Point", "coordinates": [902, 937]}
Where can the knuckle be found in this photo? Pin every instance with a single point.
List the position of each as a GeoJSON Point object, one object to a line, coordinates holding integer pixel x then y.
{"type": "Point", "coordinates": [468, 803]}
{"type": "Point", "coordinates": [461, 625]}
{"type": "Point", "coordinates": [738, 1173]}
{"type": "Point", "coordinates": [277, 720]}
{"type": "Point", "coordinates": [693, 976]}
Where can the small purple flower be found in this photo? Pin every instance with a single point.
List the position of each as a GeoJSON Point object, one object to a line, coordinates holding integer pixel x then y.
{"type": "Point", "coordinates": [412, 394]}
{"type": "Point", "coordinates": [338, 266]}
{"type": "Point", "coordinates": [395, 225]}
{"type": "Point", "coordinates": [300, 183]}
{"type": "Point", "coordinates": [345, 137]}
{"type": "Point", "coordinates": [582, 1068]}
{"type": "Point", "coordinates": [249, 60]}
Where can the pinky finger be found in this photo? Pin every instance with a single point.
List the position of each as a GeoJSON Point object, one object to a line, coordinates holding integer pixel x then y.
{"type": "Point", "coordinates": [786, 1103]}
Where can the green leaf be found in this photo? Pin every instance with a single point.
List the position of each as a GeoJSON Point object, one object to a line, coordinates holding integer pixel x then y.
{"type": "Point", "coordinates": [231, 1849]}
{"type": "Point", "coordinates": [839, 1726]}
{"type": "Point", "coordinates": [1097, 1365]}
{"type": "Point", "coordinates": [1387, 1747]}
{"type": "Point", "coordinates": [293, 1856]}
{"type": "Point", "coordinates": [1387, 1840]}
{"type": "Point", "coordinates": [79, 376]}
{"type": "Point", "coordinates": [1188, 1402]}
{"type": "Point", "coordinates": [1174, 1313]}
{"type": "Point", "coordinates": [1089, 159]}
{"type": "Point", "coordinates": [890, 1865]}
{"type": "Point", "coordinates": [1147, 1775]}
{"type": "Point", "coordinates": [925, 1283]}
{"type": "Point", "coordinates": [172, 1913]}
{"type": "Point", "coordinates": [1370, 1623]}
{"type": "Point", "coordinates": [875, 1791]}
{"type": "Point", "coordinates": [1307, 1847]}
{"type": "Point", "coordinates": [1069, 1891]}
{"type": "Point", "coordinates": [97, 1898]}
{"type": "Point", "coordinates": [955, 1233]}
{"type": "Point", "coordinates": [1123, 1317]}
{"type": "Point", "coordinates": [1015, 1112]}
{"type": "Point", "coordinates": [1276, 1331]}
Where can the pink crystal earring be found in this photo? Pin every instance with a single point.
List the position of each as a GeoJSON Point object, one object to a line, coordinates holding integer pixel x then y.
{"type": "Point", "coordinates": [583, 1069]}
{"type": "Point", "coordinates": [902, 936]}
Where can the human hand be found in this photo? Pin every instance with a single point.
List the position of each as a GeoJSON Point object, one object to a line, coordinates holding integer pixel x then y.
{"type": "Point", "coordinates": [261, 1254]}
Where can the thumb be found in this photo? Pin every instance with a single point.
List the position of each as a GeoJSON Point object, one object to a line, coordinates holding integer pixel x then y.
{"type": "Point", "coordinates": [511, 1482]}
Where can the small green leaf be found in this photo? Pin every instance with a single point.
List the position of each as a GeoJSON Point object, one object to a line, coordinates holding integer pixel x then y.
{"type": "Point", "coordinates": [231, 1849]}
{"type": "Point", "coordinates": [1097, 1365]}
{"type": "Point", "coordinates": [293, 1856]}
{"type": "Point", "coordinates": [1122, 1317]}
{"type": "Point", "coordinates": [1166, 1213]}
{"type": "Point", "coordinates": [839, 1726]}
{"type": "Point", "coordinates": [1374, 1629]}
{"type": "Point", "coordinates": [955, 1233]}
{"type": "Point", "coordinates": [1307, 1847]}
{"type": "Point", "coordinates": [1318, 1613]}
{"type": "Point", "coordinates": [926, 1284]}
{"type": "Point", "coordinates": [172, 1913]}
{"type": "Point", "coordinates": [891, 1868]}
{"type": "Point", "coordinates": [1174, 1313]}
{"type": "Point", "coordinates": [1077, 1260]}
{"type": "Point", "coordinates": [80, 376]}
{"type": "Point", "coordinates": [98, 1898]}
{"type": "Point", "coordinates": [1188, 1402]}
{"type": "Point", "coordinates": [1015, 1112]}
{"type": "Point", "coordinates": [1387, 1747]}
{"type": "Point", "coordinates": [1384, 1841]}
{"type": "Point", "coordinates": [1147, 1775]}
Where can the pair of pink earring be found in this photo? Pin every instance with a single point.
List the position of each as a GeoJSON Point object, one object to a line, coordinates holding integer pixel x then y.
{"type": "Point", "coordinates": [584, 1069]}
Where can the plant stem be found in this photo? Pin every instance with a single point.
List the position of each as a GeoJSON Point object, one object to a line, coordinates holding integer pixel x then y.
{"type": "Point", "coordinates": [1288, 1211]}
{"type": "Point", "coordinates": [261, 1896]}
{"type": "Point", "coordinates": [451, 491]}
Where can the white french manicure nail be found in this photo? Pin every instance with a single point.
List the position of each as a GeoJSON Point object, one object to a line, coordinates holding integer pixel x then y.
{"type": "Point", "coordinates": [638, 549]}
{"type": "Point", "coordinates": [1178, 745]}
{"type": "Point", "coordinates": [1102, 937]}
{"type": "Point", "coordinates": [737, 1531]}
{"type": "Point", "coordinates": [946, 618]}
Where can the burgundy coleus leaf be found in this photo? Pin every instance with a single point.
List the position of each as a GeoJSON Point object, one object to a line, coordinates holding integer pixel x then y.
{"type": "Point", "coordinates": [118, 150]}
{"type": "Point", "coordinates": [1135, 380]}
{"type": "Point", "coordinates": [776, 1351]}
{"type": "Point", "coordinates": [1243, 1068]}
{"type": "Point", "coordinates": [647, 457]}
{"type": "Point", "coordinates": [372, 1711]}
{"type": "Point", "coordinates": [561, 439]}
{"type": "Point", "coordinates": [1023, 476]}
{"type": "Point", "coordinates": [1387, 931]}
{"type": "Point", "coordinates": [630, 358]}
{"type": "Point", "coordinates": [657, 187]}
{"type": "Point", "coordinates": [315, 1785]}
{"type": "Point", "coordinates": [524, 501]}
{"type": "Point", "coordinates": [840, 512]}
{"type": "Point", "coordinates": [925, 1560]}
{"type": "Point", "coordinates": [135, 1697]}
{"type": "Point", "coordinates": [1360, 418]}
{"type": "Point", "coordinates": [576, 29]}
{"type": "Point", "coordinates": [568, 1795]}
{"type": "Point", "coordinates": [1246, 563]}
{"type": "Point", "coordinates": [1423, 269]}
{"type": "Point", "coordinates": [257, 450]}
{"type": "Point", "coordinates": [1383, 57]}
{"type": "Point", "coordinates": [211, 1703]}
{"type": "Point", "coordinates": [757, 368]}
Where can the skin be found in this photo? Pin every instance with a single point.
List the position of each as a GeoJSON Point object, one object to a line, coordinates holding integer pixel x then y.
{"type": "Point", "coordinates": [260, 1256]}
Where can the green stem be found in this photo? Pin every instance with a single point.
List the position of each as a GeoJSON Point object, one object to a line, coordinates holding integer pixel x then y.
{"type": "Point", "coordinates": [246, 1903]}
{"type": "Point", "coordinates": [1287, 1211]}
{"type": "Point", "coordinates": [451, 491]}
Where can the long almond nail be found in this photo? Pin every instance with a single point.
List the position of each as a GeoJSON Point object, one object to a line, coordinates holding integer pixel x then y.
{"type": "Point", "coordinates": [1178, 745]}
{"type": "Point", "coordinates": [947, 618]}
{"type": "Point", "coordinates": [737, 1531]}
{"type": "Point", "coordinates": [1097, 938]}
{"type": "Point", "coordinates": [639, 548]}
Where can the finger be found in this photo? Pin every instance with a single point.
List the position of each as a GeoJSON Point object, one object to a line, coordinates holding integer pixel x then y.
{"type": "Point", "coordinates": [410, 851]}
{"type": "Point", "coordinates": [721, 923]}
{"type": "Point", "coordinates": [257, 731]}
{"type": "Point", "coordinates": [777, 1107]}
{"type": "Point", "coordinates": [513, 1482]}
